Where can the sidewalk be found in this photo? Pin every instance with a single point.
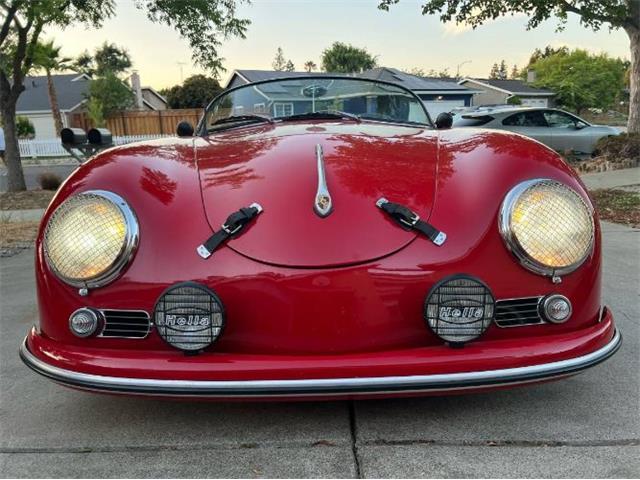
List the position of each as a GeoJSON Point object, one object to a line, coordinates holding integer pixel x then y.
{"type": "Point", "coordinates": [628, 177]}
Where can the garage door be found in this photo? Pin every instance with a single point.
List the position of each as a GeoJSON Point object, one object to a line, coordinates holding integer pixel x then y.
{"type": "Point", "coordinates": [535, 102]}
{"type": "Point", "coordinates": [435, 107]}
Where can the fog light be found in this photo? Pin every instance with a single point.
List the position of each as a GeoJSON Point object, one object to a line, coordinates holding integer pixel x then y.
{"type": "Point", "coordinates": [83, 322]}
{"type": "Point", "coordinates": [556, 308]}
{"type": "Point", "coordinates": [459, 309]}
{"type": "Point", "coordinates": [189, 316]}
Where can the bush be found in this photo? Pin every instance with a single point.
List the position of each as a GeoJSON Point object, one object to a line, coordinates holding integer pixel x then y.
{"type": "Point", "coordinates": [24, 128]}
{"type": "Point", "coordinates": [49, 181]}
{"type": "Point", "coordinates": [620, 148]}
{"type": "Point", "coordinates": [515, 100]}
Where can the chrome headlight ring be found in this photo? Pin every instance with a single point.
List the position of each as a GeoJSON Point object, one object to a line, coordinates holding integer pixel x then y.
{"type": "Point", "coordinates": [125, 253]}
{"type": "Point", "coordinates": [515, 245]}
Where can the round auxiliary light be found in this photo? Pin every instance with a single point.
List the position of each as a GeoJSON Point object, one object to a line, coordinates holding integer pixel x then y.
{"type": "Point", "coordinates": [556, 308]}
{"type": "Point", "coordinates": [189, 316]}
{"type": "Point", "coordinates": [547, 226]}
{"type": "Point", "coordinates": [90, 238]}
{"type": "Point", "coordinates": [459, 309]}
{"type": "Point", "coordinates": [83, 322]}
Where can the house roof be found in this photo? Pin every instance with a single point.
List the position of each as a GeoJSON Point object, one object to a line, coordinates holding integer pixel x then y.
{"type": "Point", "coordinates": [412, 82]}
{"type": "Point", "coordinates": [70, 90]}
{"type": "Point", "coordinates": [514, 87]}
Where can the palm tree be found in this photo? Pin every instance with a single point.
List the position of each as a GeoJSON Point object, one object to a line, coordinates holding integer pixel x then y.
{"type": "Point", "coordinates": [310, 65]}
{"type": "Point", "coordinates": [47, 57]}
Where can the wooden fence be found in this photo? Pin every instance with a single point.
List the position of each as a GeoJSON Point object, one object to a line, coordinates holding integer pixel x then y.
{"type": "Point", "coordinates": [145, 122]}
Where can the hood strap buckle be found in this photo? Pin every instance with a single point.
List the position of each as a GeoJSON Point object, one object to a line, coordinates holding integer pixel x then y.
{"type": "Point", "coordinates": [232, 227]}
{"type": "Point", "coordinates": [410, 220]}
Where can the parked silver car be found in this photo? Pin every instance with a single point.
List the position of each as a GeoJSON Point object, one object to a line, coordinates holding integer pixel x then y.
{"type": "Point", "coordinates": [555, 128]}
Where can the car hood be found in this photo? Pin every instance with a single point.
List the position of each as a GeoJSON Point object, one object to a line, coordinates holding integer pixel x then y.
{"type": "Point", "coordinates": [276, 166]}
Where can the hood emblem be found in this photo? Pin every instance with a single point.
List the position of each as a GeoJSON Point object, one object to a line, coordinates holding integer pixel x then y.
{"type": "Point", "coordinates": [322, 204]}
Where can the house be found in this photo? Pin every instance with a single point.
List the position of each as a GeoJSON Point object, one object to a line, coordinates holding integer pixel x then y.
{"type": "Point", "coordinates": [438, 95]}
{"type": "Point", "coordinates": [498, 92]}
{"type": "Point", "coordinates": [71, 91]}
{"type": "Point", "coordinates": [34, 103]}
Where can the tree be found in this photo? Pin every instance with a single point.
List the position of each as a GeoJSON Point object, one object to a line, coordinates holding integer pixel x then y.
{"type": "Point", "coordinates": [594, 14]}
{"type": "Point", "coordinates": [502, 73]}
{"type": "Point", "coordinates": [439, 73]}
{"type": "Point", "coordinates": [495, 72]}
{"type": "Point", "coordinates": [310, 65]}
{"type": "Point", "coordinates": [95, 112]}
{"type": "Point", "coordinates": [106, 58]}
{"type": "Point", "coordinates": [84, 64]}
{"type": "Point", "coordinates": [581, 79]}
{"type": "Point", "coordinates": [111, 58]}
{"type": "Point", "coordinates": [343, 58]}
{"type": "Point", "coordinates": [515, 73]}
{"type": "Point", "coordinates": [48, 58]}
{"type": "Point", "coordinates": [24, 128]}
{"type": "Point", "coordinates": [202, 23]}
{"type": "Point", "coordinates": [110, 94]}
{"type": "Point", "coordinates": [281, 64]}
{"type": "Point", "coordinates": [196, 92]}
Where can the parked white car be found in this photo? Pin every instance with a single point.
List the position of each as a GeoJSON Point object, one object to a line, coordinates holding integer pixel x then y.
{"type": "Point", "coordinates": [557, 129]}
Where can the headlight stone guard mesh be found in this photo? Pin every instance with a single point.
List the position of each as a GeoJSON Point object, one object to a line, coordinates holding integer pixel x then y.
{"type": "Point", "coordinates": [90, 238]}
{"type": "Point", "coordinates": [547, 226]}
{"type": "Point", "coordinates": [459, 309]}
{"type": "Point", "coordinates": [189, 316]}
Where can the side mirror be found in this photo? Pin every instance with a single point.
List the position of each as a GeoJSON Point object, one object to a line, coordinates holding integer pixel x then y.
{"type": "Point", "coordinates": [73, 136]}
{"type": "Point", "coordinates": [100, 136]}
{"type": "Point", "coordinates": [444, 121]}
{"type": "Point", "coordinates": [184, 129]}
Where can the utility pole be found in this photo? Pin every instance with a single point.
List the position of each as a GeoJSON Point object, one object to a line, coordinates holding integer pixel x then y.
{"type": "Point", "coordinates": [181, 64]}
{"type": "Point", "coordinates": [458, 67]}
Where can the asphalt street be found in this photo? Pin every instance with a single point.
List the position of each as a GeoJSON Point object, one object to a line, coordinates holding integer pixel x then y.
{"type": "Point", "coordinates": [585, 426]}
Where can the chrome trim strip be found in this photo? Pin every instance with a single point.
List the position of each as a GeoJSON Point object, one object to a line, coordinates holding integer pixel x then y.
{"type": "Point", "coordinates": [322, 204]}
{"type": "Point", "coordinates": [322, 386]}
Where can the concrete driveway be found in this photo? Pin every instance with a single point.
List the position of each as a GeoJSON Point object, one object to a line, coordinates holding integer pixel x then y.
{"type": "Point", "coordinates": [586, 426]}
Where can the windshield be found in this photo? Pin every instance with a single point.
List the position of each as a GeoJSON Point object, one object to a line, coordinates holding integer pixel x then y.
{"type": "Point", "coordinates": [315, 97]}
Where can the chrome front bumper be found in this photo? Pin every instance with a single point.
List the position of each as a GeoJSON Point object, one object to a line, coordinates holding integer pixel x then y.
{"type": "Point", "coordinates": [324, 387]}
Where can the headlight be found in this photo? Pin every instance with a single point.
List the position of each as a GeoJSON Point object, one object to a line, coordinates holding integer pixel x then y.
{"type": "Point", "coordinates": [547, 226]}
{"type": "Point", "coordinates": [90, 238]}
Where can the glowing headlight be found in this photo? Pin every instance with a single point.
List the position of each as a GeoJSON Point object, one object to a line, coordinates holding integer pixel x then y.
{"type": "Point", "coordinates": [547, 226]}
{"type": "Point", "coordinates": [90, 238]}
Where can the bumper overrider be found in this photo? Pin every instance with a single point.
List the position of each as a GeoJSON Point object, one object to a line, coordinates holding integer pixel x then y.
{"type": "Point", "coordinates": [483, 366]}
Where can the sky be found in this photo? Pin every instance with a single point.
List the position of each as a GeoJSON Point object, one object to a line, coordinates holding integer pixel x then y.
{"type": "Point", "coordinates": [401, 38]}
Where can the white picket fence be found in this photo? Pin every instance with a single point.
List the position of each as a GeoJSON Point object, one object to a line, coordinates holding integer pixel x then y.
{"type": "Point", "coordinates": [53, 148]}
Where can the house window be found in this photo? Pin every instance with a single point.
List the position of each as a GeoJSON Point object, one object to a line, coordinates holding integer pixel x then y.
{"type": "Point", "coordinates": [282, 109]}
{"type": "Point", "coordinates": [259, 108]}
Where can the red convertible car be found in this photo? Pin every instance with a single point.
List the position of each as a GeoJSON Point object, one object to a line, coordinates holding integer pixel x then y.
{"type": "Point", "coordinates": [319, 237]}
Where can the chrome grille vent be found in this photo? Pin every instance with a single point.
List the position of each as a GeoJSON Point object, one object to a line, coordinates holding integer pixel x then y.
{"type": "Point", "coordinates": [125, 323]}
{"type": "Point", "coordinates": [517, 312]}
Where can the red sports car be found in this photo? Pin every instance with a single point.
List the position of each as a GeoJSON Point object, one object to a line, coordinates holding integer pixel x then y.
{"type": "Point", "coordinates": [319, 237]}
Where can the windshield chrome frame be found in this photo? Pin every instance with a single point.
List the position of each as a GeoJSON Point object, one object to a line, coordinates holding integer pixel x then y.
{"type": "Point", "coordinates": [202, 131]}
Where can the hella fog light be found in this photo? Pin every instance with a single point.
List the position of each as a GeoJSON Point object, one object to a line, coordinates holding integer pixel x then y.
{"type": "Point", "coordinates": [83, 322]}
{"type": "Point", "coordinates": [556, 308]}
{"type": "Point", "coordinates": [189, 316]}
{"type": "Point", "coordinates": [459, 309]}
